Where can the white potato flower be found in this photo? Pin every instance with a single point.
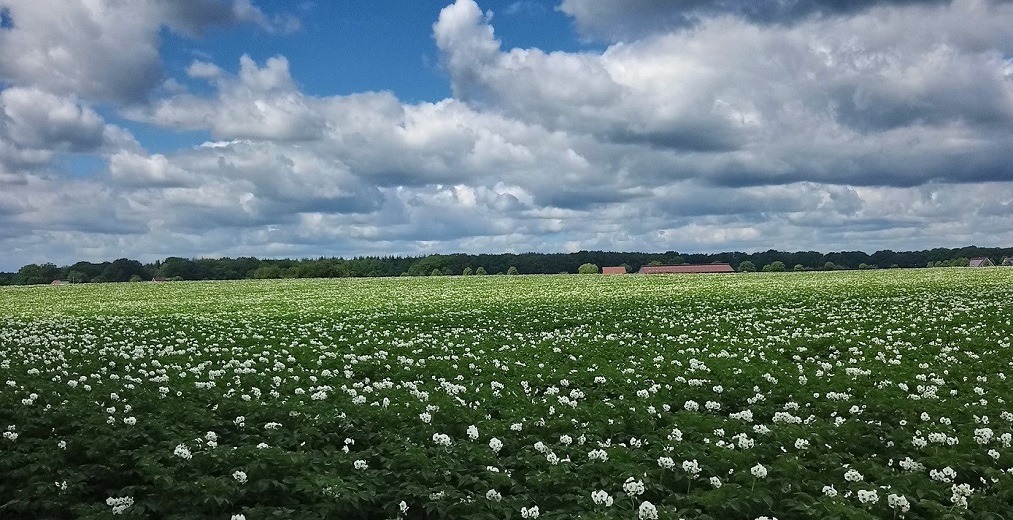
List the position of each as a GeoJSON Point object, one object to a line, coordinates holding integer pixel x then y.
{"type": "Point", "coordinates": [853, 475]}
{"type": "Point", "coordinates": [601, 498]}
{"type": "Point", "coordinates": [633, 487]}
{"type": "Point", "coordinates": [868, 496]}
{"type": "Point", "coordinates": [647, 511]}
{"type": "Point", "coordinates": [182, 452]}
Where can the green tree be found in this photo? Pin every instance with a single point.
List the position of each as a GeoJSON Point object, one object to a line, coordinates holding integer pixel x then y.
{"type": "Point", "coordinates": [829, 266]}
{"type": "Point", "coordinates": [480, 271]}
{"type": "Point", "coordinates": [77, 277]}
{"type": "Point", "coordinates": [747, 267]}
{"type": "Point", "coordinates": [266, 272]}
{"type": "Point", "coordinates": [587, 268]}
{"type": "Point", "coordinates": [467, 271]}
{"type": "Point", "coordinates": [426, 265]}
{"type": "Point", "coordinates": [183, 268]}
{"type": "Point", "coordinates": [798, 267]}
{"type": "Point", "coordinates": [33, 274]}
{"type": "Point", "coordinates": [436, 272]}
{"type": "Point", "coordinates": [135, 278]}
{"type": "Point", "coordinates": [512, 270]}
{"type": "Point", "coordinates": [774, 267]}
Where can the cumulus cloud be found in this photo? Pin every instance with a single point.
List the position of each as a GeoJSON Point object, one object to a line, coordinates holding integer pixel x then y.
{"type": "Point", "coordinates": [36, 126]}
{"type": "Point", "coordinates": [892, 95]}
{"type": "Point", "coordinates": [39, 120]}
{"type": "Point", "coordinates": [795, 126]}
{"type": "Point", "coordinates": [258, 103]}
{"type": "Point", "coordinates": [618, 20]}
{"type": "Point", "coordinates": [104, 50]}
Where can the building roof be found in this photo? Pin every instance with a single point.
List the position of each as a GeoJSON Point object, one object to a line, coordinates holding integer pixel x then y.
{"type": "Point", "coordinates": [687, 269]}
{"type": "Point", "coordinates": [613, 270]}
{"type": "Point", "coordinates": [980, 261]}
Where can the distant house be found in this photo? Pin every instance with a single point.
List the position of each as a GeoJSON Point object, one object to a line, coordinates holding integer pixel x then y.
{"type": "Point", "coordinates": [1007, 260]}
{"type": "Point", "coordinates": [687, 269]}
{"type": "Point", "coordinates": [159, 279]}
{"type": "Point", "coordinates": [613, 270]}
{"type": "Point", "coordinates": [59, 282]}
{"type": "Point", "coordinates": [981, 261]}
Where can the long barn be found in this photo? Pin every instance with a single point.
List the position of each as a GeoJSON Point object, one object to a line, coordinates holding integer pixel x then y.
{"type": "Point", "coordinates": [687, 269]}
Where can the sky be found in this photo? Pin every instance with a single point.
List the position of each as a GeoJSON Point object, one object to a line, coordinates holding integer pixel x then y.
{"type": "Point", "coordinates": [208, 128]}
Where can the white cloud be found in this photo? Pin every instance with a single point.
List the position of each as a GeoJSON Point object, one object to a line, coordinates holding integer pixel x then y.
{"type": "Point", "coordinates": [38, 120]}
{"type": "Point", "coordinates": [105, 49]}
{"type": "Point", "coordinates": [36, 127]}
{"type": "Point", "coordinates": [894, 95]}
{"type": "Point", "coordinates": [259, 103]}
{"type": "Point", "coordinates": [879, 127]}
{"type": "Point", "coordinates": [138, 169]}
{"type": "Point", "coordinates": [625, 20]}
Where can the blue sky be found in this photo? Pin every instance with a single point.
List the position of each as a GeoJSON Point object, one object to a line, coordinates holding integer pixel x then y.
{"type": "Point", "coordinates": [300, 129]}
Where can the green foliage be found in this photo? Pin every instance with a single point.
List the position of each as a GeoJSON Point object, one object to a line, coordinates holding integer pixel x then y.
{"type": "Point", "coordinates": [33, 274]}
{"type": "Point", "coordinates": [427, 265]}
{"type": "Point", "coordinates": [954, 262]}
{"type": "Point", "coordinates": [77, 277]}
{"type": "Point", "coordinates": [847, 362]}
{"type": "Point", "coordinates": [512, 270]}
{"type": "Point", "coordinates": [467, 271]}
{"type": "Point", "coordinates": [266, 272]}
{"type": "Point", "coordinates": [480, 271]}
{"type": "Point", "coordinates": [588, 269]}
{"type": "Point", "coordinates": [774, 267]}
{"type": "Point", "coordinates": [747, 267]}
{"type": "Point", "coordinates": [529, 263]}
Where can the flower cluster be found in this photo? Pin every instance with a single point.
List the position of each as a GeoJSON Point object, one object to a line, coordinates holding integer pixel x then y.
{"type": "Point", "coordinates": [119, 504]}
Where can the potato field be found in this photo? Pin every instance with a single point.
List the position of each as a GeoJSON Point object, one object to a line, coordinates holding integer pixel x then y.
{"type": "Point", "coordinates": [850, 395]}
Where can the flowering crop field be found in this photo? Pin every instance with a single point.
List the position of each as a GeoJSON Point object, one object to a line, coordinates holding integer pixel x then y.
{"type": "Point", "coordinates": [875, 394]}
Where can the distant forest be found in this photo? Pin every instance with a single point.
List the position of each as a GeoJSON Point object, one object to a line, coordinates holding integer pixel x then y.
{"type": "Point", "coordinates": [174, 268]}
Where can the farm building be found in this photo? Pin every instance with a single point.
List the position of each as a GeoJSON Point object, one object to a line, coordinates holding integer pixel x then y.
{"type": "Point", "coordinates": [613, 270]}
{"type": "Point", "coordinates": [687, 269]}
{"type": "Point", "coordinates": [981, 261]}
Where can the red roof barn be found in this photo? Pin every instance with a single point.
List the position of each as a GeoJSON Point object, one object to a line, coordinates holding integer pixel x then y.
{"type": "Point", "coordinates": [613, 270]}
{"type": "Point", "coordinates": [687, 269]}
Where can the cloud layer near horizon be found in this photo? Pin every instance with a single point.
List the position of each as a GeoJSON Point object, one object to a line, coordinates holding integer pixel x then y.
{"type": "Point", "coordinates": [711, 126]}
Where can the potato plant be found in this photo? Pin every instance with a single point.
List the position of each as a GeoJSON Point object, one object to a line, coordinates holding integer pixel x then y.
{"type": "Point", "coordinates": [875, 394]}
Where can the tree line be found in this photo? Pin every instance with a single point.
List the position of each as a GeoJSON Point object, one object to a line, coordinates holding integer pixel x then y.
{"type": "Point", "coordinates": [175, 268]}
